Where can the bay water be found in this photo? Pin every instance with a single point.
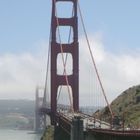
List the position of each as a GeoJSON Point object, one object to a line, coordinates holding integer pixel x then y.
{"type": "Point", "coordinates": [18, 135]}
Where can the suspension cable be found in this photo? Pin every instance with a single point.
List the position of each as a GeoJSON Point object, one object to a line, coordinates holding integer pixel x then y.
{"type": "Point", "coordinates": [63, 60]}
{"type": "Point", "coordinates": [93, 60]}
{"type": "Point", "coordinates": [47, 69]}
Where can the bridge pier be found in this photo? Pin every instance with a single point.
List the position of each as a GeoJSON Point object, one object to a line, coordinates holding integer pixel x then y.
{"type": "Point", "coordinates": [60, 134]}
{"type": "Point", "coordinates": [76, 132]}
{"type": "Point", "coordinates": [77, 129]}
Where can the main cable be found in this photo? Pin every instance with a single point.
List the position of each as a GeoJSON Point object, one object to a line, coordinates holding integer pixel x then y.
{"type": "Point", "coordinates": [47, 71]}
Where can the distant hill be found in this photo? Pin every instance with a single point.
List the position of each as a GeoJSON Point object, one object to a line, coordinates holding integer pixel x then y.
{"type": "Point", "coordinates": [17, 114]}
{"type": "Point", "coordinates": [126, 106]}
{"type": "Point", "coordinates": [25, 107]}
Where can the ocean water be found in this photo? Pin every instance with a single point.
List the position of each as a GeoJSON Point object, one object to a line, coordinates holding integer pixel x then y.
{"type": "Point", "coordinates": [18, 135]}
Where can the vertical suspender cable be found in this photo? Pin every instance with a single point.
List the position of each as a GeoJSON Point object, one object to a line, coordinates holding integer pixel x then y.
{"type": "Point", "coordinates": [93, 60]}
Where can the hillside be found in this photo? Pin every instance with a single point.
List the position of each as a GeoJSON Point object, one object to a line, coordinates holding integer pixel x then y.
{"type": "Point", "coordinates": [25, 107]}
{"type": "Point", "coordinates": [126, 106]}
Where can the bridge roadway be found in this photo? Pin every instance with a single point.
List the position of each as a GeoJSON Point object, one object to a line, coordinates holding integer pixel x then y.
{"type": "Point", "coordinates": [92, 127]}
{"type": "Point", "coordinates": [88, 121]}
{"type": "Point", "coordinates": [64, 119]}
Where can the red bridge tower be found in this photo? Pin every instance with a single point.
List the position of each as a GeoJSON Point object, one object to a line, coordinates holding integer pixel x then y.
{"type": "Point", "coordinates": [57, 48]}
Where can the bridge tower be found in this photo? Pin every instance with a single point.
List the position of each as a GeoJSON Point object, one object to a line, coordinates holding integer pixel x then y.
{"type": "Point", "coordinates": [40, 117]}
{"type": "Point", "coordinates": [57, 48]}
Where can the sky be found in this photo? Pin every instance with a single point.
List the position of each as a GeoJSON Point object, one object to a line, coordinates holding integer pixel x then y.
{"type": "Point", "coordinates": [113, 29]}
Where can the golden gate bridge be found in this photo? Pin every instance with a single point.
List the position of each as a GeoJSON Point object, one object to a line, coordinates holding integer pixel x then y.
{"type": "Point", "coordinates": [68, 120]}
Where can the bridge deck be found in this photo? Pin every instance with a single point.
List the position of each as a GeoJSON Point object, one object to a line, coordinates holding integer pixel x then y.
{"type": "Point", "coordinates": [89, 121]}
{"type": "Point", "coordinates": [94, 126]}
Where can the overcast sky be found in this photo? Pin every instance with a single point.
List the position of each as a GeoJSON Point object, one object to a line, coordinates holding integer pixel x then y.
{"type": "Point", "coordinates": [113, 29]}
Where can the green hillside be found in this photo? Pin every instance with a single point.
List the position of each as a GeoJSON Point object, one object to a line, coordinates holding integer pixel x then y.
{"type": "Point", "coordinates": [126, 106]}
